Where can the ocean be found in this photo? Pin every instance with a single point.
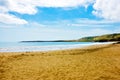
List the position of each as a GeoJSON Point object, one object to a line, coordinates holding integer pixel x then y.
{"type": "Point", "coordinates": [41, 46]}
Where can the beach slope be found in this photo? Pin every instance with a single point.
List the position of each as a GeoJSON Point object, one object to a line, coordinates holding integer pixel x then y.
{"type": "Point", "coordinates": [100, 62]}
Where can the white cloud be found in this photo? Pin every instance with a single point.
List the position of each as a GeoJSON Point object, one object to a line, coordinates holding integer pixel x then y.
{"type": "Point", "coordinates": [107, 9]}
{"type": "Point", "coordinates": [88, 23]}
{"type": "Point", "coordinates": [7, 18]}
{"type": "Point", "coordinates": [62, 3]}
{"type": "Point", "coordinates": [30, 7]}
{"type": "Point", "coordinates": [3, 9]}
{"type": "Point", "coordinates": [11, 19]}
{"type": "Point", "coordinates": [21, 6]}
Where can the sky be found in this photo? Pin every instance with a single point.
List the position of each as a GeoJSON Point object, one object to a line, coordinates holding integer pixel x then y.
{"type": "Point", "coordinates": [24, 20]}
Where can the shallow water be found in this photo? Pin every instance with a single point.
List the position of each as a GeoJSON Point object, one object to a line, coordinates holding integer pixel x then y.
{"type": "Point", "coordinates": [19, 44]}
{"type": "Point", "coordinates": [41, 46]}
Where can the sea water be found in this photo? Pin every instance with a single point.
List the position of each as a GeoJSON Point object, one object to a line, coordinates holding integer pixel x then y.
{"type": "Point", "coordinates": [41, 46]}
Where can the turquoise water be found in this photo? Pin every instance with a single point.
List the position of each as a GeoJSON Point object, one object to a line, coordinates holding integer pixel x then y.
{"type": "Point", "coordinates": [23, 44]}
{"type": "Point", "coordinates": [42, 46]}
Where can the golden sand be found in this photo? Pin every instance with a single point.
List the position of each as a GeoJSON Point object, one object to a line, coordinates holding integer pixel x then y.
{"type": "Point", "coordinates": [101, 62]}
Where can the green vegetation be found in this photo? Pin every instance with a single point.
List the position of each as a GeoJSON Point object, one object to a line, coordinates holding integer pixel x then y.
{"type": "Point", "coordinates": [103, 38]}
{"type": "Point", "coordinates": [86, 39]}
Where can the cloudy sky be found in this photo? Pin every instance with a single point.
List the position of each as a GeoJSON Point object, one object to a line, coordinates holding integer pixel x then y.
{"type": "Point", "coordinates": [57, 19]}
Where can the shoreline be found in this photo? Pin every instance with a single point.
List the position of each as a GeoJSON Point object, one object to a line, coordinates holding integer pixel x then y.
{"type": "Point", "coordinates": [50, 48]}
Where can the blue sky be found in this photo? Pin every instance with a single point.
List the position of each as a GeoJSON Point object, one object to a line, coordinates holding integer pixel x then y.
{"type": "Point", "coordinates": [54, 20]}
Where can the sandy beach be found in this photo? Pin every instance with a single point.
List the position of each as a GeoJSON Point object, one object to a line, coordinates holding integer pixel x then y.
{"type": "Point", "coordinates": [97, 62]}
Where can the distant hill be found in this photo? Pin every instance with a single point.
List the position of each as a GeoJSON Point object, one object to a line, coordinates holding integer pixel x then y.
{"type": "Point", "coordinates": [102, 38]}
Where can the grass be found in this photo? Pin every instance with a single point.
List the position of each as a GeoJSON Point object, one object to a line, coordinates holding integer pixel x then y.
{"type": "Point", "coordinates": [92, 63]}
